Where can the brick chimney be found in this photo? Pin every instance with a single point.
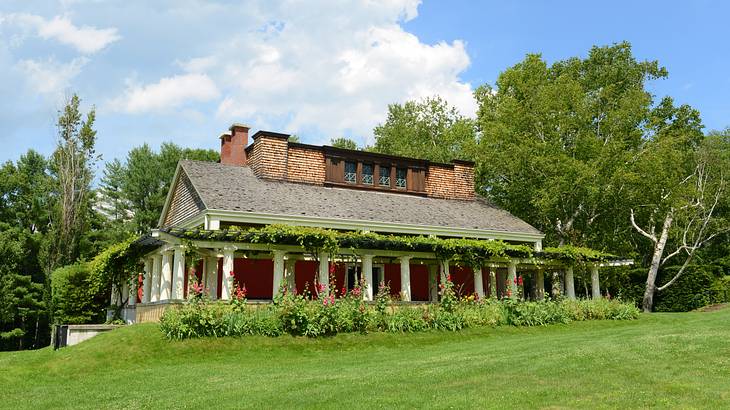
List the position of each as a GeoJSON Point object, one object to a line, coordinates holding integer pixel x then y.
{"type": "Point", "coordinates": [233, 145]}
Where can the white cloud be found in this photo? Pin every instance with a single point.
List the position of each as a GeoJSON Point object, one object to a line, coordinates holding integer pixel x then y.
{"type": "Point", "coordinates": [165, 95]}
{"type": "Point", "coordinates": [49, 76]}
{"type": "Point", "coordinates": [333, 70]}
{"type": "Point", "coordinates": [85, 39]}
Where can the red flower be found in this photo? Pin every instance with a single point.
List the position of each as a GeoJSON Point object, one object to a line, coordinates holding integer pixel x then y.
{"type": "Point", "coordinates": [332, 269]}
{"type": "Point", "coordinates": [344, 291]}
{"type": "Point", "coordinates": [231, 273]}
{"type": "Point", "coordinates": [448, 277]}
{"type": "Point", "coordinates": [519, 280]}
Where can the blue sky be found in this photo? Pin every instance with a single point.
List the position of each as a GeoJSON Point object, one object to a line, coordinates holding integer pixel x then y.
{"type": "Point", "coordinates": [184, 70]}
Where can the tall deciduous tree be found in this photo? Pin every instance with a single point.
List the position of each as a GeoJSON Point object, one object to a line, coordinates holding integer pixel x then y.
{"type": "Point", "coordinates": [428, 129]}
{"type": "Point", "coordinates": [72, 163]}
{"type": "Point", "coordinates": [556, 140]}
{"type": "Point", "coordinates": [681, 190]}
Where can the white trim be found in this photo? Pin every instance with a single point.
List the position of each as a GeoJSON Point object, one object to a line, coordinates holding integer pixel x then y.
{"type": "Point", "coordinates": [373, 226]}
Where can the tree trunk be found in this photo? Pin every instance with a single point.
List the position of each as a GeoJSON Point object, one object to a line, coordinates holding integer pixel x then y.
{"type": "Point", "coordinates": [648, 302]}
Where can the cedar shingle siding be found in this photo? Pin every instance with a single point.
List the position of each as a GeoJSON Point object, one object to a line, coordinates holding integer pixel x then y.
{"type": "Point", "coordinates": [185, 201]}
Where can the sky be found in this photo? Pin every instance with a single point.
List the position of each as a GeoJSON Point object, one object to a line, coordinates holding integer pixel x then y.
{"type": "Point", "coordinates": [185, 70]}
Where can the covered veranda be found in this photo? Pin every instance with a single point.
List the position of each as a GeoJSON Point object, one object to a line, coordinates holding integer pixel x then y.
{"type": "Point", "coordinates": [265, 269]}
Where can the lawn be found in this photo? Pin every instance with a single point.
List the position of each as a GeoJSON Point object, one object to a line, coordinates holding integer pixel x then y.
{"type": "Point", "coordinates": [661, 360]}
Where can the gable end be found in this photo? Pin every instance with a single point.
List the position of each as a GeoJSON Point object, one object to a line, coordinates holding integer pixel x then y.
{"type": "Point", "coordinates": [185, 201]}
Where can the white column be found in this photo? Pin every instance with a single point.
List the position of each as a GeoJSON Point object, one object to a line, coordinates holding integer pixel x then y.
{"type": "Point", "coordinates": [324, 270]}
{"type": "Point", "coordinates": [540, 284]}
{"type": "Point", "coordinates": [290, 273]}
{"type": "Point", "coordinates": [114, 296]}
{"type": "Point", "coordinates": [511, 275]}
{"type": "Point", "coordinates": [569, 283]}
{"type": "Point", "coordinates": [278, 270]}
{"type": "Point", "coordinates": [211, 276]}
{"type": "Point", "coordinates": [367, 272]}
{"type": "Point", "coordinates": [156, 278]}
{"type": "Point", "coordinates": [433, 283]}
{"type": "Point", "coordinates": [478, 284]}
{"type": "Point", "coordinates": [444, 270]}
{"type": "Point", "coordinates": [405, 278]}
{"type": "Point", "coordinates": [125, 293]}
{"type": "Point", "coordinates": [166, 280]}
{"type": "Point", "coordinates": [133, 291]}
{"type": "Point", "coordinates": [147, 282]}
{"type": "Point", "coordinates": [178, 273]}
{"type": "Point", "coordinates": [492, 282]}
{"type": "Point", "coordinates": [595, 286]}
{"type": "Point", "coordinates": [227, 280]}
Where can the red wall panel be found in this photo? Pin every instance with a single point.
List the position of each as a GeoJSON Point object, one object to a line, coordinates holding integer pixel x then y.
{"type": "Point", "coordinates": [337, 280]}
{"type": "Point", "coordinates": [305, 273]}
{"type": "Point", "coordinates": [419, 282]}
{"type": "Point", "coordinates": [257, 275]}
{"type": "Point", "coordinates": [463, 279]}
{"type": "Point", "coordinates": [392, 278]}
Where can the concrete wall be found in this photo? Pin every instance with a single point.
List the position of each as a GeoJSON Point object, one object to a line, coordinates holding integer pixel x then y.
{"type": "Point", "coordinates": [78, 333]}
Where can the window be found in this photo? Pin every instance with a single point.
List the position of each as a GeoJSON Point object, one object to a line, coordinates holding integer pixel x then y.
{"type": "Point", "coordinates": [367, 174]}
{"type": "Point", "coordinates": [384, 179]}
{"type": "Point", "coordinates": [350, 172]}
{"type": "Point", "coordinates": [400, 178]}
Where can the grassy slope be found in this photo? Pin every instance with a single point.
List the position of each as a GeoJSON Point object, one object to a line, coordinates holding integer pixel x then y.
{"type": "Point", "coordinates": [680, 360]}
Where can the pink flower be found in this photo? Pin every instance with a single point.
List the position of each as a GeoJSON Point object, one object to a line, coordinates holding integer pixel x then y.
{"type": "Point", "coordinates": [356, 291]}
{"type": "Point", "coordinates": [321, 287]}
{"type": "Point", "coordinates": [448, 277]}
{"type": "Point", "coordinates": [333, 269]}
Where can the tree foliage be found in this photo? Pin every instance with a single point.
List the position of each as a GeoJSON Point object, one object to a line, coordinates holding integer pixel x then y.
{"type": "Point", "coordinates": [72, 165]}
{"type": "Point", "coordinates": [136, 189]}
{"type": "Point", "coordinates": [428, 129]}
{"type": "Point", "coordinates": [343, 142]}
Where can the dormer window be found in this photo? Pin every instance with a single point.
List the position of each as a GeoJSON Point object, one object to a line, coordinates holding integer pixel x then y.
{"type": "Point", "coordinates": [384, 179]}
{"type": "Point", "coordinates": [367, 174]}
{"type": "Point", "coordinates": [400, 178]}
{"type": "Point", "coordinates": [350, 172]}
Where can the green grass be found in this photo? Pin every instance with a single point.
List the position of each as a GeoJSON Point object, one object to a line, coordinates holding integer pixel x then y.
{"type": "Point", "coordinates": [661, 360]}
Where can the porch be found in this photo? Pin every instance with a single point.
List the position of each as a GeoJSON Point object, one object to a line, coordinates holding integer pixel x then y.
{"type": "Point", "coordinates": [265, 269]}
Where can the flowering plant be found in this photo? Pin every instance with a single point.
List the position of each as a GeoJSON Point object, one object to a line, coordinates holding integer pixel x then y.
{"type": "Point", "coordinates": [448, 296]}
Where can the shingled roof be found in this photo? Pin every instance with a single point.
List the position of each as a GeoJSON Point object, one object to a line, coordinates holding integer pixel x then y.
{"type": "Point", "coordinates": [236, 188]}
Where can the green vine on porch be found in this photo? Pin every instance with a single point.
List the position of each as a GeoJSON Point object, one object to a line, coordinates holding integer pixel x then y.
{"type": "Point", "coordinates": [465, 252]}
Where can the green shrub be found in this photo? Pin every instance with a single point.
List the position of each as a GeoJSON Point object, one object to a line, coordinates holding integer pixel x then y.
{"type": "Point", "coordinates": [300, 316]}
{"type": "Point", "coordinates": [75, 298]}
{"type": "Point", "coordinates": [687, 293]}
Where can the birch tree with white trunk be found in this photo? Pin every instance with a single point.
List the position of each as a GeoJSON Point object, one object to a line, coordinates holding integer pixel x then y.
{"type": "Point", "coordinates": [684, 218]}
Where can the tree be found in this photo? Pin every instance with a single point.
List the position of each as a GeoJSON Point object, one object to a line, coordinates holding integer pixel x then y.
{"type": "Point", "coordinates": [681, 184]}
{"type": "Point", "coordinates": [343, 142]}
{"type": "Point", "coordinates": [72, 164]}
{"type": "Point", "coordinates": [142, 181]}
{"type": "Point", "coordinates": [556, 141]}
{"type": "Point", "coordinates": [428, 129]}
{"type": "Point", "coordinates": [25, 199]}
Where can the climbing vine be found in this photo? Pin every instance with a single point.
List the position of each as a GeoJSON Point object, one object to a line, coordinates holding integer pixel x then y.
{"type": "Point", "coordinates": [467, 252]}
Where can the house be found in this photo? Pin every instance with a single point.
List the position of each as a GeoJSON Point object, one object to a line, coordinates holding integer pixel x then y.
{"type": "Point", "coordinates": [275, 181]}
